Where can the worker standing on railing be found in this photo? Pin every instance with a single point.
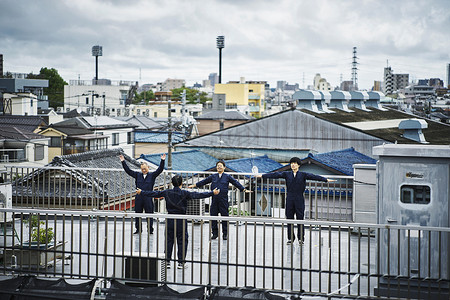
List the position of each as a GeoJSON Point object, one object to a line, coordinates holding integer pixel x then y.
{"type": "Point", "coordinates": [176, 203]}
{"type": "Point", "coordinates": [145, 180]}
{"type": "Point", "coordinates": [295, 202]}
{"type": "Point", "coordinates": [219, 203]}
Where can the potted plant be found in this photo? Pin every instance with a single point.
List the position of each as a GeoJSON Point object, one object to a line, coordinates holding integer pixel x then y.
{"type": "Point", "coordinates": [40, 235]}
{"type": "Point", "coordinates": [236, 211]}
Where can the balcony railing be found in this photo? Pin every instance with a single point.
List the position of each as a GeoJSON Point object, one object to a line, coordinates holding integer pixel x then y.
{"type": "Point", "coordinates": [113, 189]}
{"type": "Point", "coordinates": [342, 260]}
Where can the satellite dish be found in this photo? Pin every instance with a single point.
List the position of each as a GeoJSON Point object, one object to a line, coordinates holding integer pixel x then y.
{"type": "Point", "coordinates": [255, 170]}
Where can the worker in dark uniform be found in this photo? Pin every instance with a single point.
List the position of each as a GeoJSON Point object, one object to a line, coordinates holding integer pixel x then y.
{"type": "Point", "coordinates": [219, 204]}
{"type": "Point", "coordinates": [295, 202]}
{"type": "Point", "coordinates": [145, 180]}
{"type": "Point", "coordinates": [176, 203]}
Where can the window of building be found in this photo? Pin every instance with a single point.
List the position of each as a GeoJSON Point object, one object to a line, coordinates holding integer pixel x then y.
{"type": "Point", "coordinates": [115, 139]}
{"type": "Point", "coordinates": [415, 194]}
{"type": "Point", "coordinates": [55, 141]}
{"type": "Point", "coordinates": [38, 152]}
{"type": "Point", "coordinates": [155, 114]}
{"type": "Point", "coordinates": [130, 138]}
{"type": "Point", "coordinates": [250, 91]}
{"type": "Point", "coordinates": [87, 100]}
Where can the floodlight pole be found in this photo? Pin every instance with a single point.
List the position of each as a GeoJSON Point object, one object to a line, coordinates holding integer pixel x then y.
{"type": "Point", "coordinates": [220, 45]}
{"type": "Point", "coordinates": [97, 51]}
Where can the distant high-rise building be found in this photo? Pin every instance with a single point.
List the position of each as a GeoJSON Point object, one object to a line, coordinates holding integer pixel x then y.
{"type": "Point", "coordinates": [346, 85]}
{"type": "Point", "coordinates": [213, 78]}
{"type": "Point", "coordinates": [377, 85]}
{"type": "Point", "coordinates": [170, 84]}
{"type": "Point", "coordinates": [1, 65]}
{"type": "Point", "coordinates": [394, 82]}
{"type": "Point", "coordinates": [281, 84]}
{"type": "Point", "coordinates": [448, 76]}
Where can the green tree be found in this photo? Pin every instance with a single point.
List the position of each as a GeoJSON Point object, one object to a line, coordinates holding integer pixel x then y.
{"type": "Point", "coordinates": [55, 89]}
{"type": "Point", "coordinates": [143, 97]}
{"type": "Point", "coordinates": [192, 95]}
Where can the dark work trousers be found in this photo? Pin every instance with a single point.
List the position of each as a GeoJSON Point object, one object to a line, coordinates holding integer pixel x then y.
{"type": "Point", "coordinates": [216, 208]}
{"type": "Point", "coordinates": [180, 226]}
{"type": "Point", "coordinates": [144, 203]}
{"type": "Point", "coordinates": [299, 211]}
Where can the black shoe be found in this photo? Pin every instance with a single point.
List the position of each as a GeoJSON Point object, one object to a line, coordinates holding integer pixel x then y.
{"type": "Point", "coordinates": [151, 231]}
{"type": "Point", "coordinates": [214, 236]}
{"type": "Point", "coordinates": [225, 237]}
{"type": "Point", "coordinates": [137, 232]}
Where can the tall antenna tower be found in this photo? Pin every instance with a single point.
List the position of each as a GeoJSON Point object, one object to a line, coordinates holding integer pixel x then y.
{"type": "Point", "coordinates": [355, 70]}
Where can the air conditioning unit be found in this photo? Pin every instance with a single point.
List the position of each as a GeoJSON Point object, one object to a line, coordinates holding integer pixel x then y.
{"type": "Point", "coordinates": [196, 207]}
{"type": "Point", "coordinates": [59, 109]}
{"type": "Point", "coordinates": [107, 111]}
{"type": "Point", "coordinates": [118, 112]}
{"type": "Point", "coordinates": [127, 112]}
{"type": "Point", "coordinates": [5, 202]}
{"type": "Point", "coordinates": [132, 268]}
{"type": "Point", "coordinates": [98, 111]}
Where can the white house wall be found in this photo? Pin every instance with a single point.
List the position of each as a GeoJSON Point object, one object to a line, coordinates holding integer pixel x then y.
{"type": "Point", "coordinates": [75, 96]}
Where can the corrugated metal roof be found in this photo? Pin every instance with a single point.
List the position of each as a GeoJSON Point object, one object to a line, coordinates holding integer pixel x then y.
{"type": "Point", "coordinates": [103, 121]}
{"type": "Point", "coordinates": [157, 137]}
{"type": "Point", "coordinates": [226, 115]}
{"type": "Point", "coordinates": [342, 160]}
{"type": "Point", "coordinates": [245, 165]}
{"type": "Point", "coordinates": [305, 130]}
{"type": "Point", "coordinates": [191, 160]}
{"type": "Point", "coordinates": [142, 122]}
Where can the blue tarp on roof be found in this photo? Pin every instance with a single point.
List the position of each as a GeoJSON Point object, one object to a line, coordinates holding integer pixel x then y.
{"type": "Point", "coordinates": [157, 137]}
{"type": "Point", "coordinates": [342, 160]}
{"type": "Point", "coordinates": [245, 165]}
{"type": "Point", "coordinates": [191, 160]}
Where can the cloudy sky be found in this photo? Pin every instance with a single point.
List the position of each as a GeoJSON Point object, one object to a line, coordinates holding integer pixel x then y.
{"type": "Point", "coordinates": [290, 40]}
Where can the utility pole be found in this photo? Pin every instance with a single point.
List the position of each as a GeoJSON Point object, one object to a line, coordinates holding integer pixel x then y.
{"type": "Point", "coordinates": [104, 106]}
{"type": "Point", "coordinates": [169, 135]}
{"type": "Point", "coordinates": [183, 112]}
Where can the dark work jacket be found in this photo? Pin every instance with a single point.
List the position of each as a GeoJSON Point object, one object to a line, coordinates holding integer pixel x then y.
{"type": "Point", "coordinates": [295, 186]}
{"type": "Point", "coordinates": [142, 183]}
{"type": "Point", "coordinates": [221, 184]}
{"type": "Point", "coordinates": [176, 198]}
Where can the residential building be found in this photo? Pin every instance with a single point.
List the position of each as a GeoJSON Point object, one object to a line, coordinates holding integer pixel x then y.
{"type": "Point", "coordinates": [394, 82]}
{"type": "Point", "coordinates": [417, 93]}
{"type": "Point", "coordinates": [321, 84]}
{"type": "Point", "coordinates": [81, 134]}
{"type": "Point", "coordinates": [30, 90]}
{"type": "Point", "coordinates": [170, 84]}
{"type": "Point", "coordinates": [20, 104]}
{"type": "Point", "coordinates": [339, 162]}
{"type": "Point", "coordinates": [217, 120]}
{"type": "Point", "coordinates": [246, 97]}
{"type": "Point", "coordinates": [108, 99]}
{"type": "Point", "coordinates": [20, 144]}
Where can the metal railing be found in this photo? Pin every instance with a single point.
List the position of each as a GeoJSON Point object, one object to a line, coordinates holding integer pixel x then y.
{"type": "Point", "coordinates": [113, 189]}
{"type": "Point", "coordinates": [336, 260]}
